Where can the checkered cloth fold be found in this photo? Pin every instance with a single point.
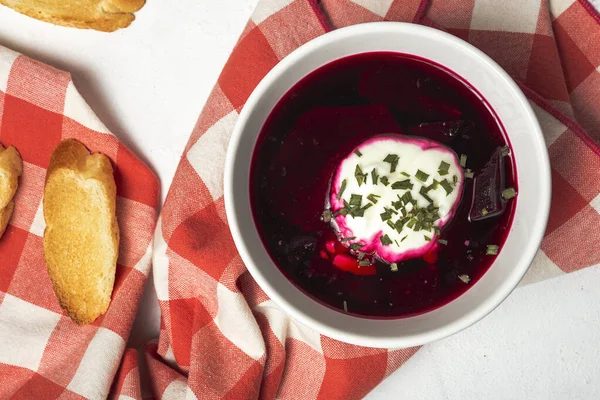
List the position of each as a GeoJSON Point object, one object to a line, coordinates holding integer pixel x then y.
{"type": "Point", "coordinates": [43, 354]}
{"type": "Point", "coordinates": [221, 337]}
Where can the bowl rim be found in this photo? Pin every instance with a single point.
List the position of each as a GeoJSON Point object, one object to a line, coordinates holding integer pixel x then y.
{"type": "Point", "coordinates": [487, 304]}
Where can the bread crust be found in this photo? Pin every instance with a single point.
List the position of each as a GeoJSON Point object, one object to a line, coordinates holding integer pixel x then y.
{"type": "Point", "coordinates": [11, 168]}
{"type": "Point", "coordinates": [101, 15]}
{"type": "Point", "coordinates": [81, 239]}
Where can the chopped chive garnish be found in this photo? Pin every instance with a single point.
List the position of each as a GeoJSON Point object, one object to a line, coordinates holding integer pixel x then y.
{"type": "Point", "coordinates": [399, 225]}
{"type": "Point", "coordinates": [385, 240]}
{"type": "Point", "coordinates": [356, 200]}
{"type": "Point", "coordinates": [436, 229]}
{"type": "Point", "coordinates": [469, 174]}
{"type": "Point", "coordinates": [422, 176]}
{"type": "Point", "coordinates": [397, 244]}
{"type": "Point", "coordinates": [384, 180]}
{"type": "Point", "coordinates": [393, 160]}
{"type": "Point", "coordinates": [465, 278]}
{"type": "Point", "coordinates": [505, 151]}
{"type": "Point", "coordinates": [386, 215]}
{"type": "Point", "coordinates": [405, 184]}
{"type": "Point", "coordinates": [346, 239]}
{"type": "Point", "coordinates": [423, 192]}
{"type": "Point", "coordinates": [361, 255]}
{"type": "Point", "coordinates": [374, 176]}
{"type": "Point", "coordinates": [356, 246]}
{"type": "Point", "coordinates": [443, 168]}
{"type": "Point", "coordinates": [492, 249]}
{"type": "Point", "coordinates": [463, 160]}
{"type": "Point", "coordinates": [407, 197]}
{"type": "Point", "coordinates": [447, 186]}
{"type": "Point", "coordinates": [373, 198]}
{"type": "Point", "coordinates": [411, 223]}
{"type": "Point", "coordinates": [433, 186]}
{"type": "Point", "coordinates": [358, 153]}
{"type": "Point", "coordinates": [427, 238]}
{"type": "Point", "coordinates": [342, 188]}
{"type": "Point", "coordinates": [509, 193]}
{"type": "Point", "coordinates": [455, 179]}
{"type": "Point", "coordinates": [326, 217]}
{"type": "Point", "coordinates": [364, 263]}
{"type": "Point", "coordinates": [405, 174]}
{"type": "Point", "coordinates": [358, 174]}
{"type": "Point", "coordinates": [442, 241]}
{"type": "Point", "coordinates": [403, 239]}
{"type": "Point", "coordinates": [484, 212]}
{"type": "Point", "coordinates": [391, 224]}
{"type": "Point", "coordinates": [394, 267]}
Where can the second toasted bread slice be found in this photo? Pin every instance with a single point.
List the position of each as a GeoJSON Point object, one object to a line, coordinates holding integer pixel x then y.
{"type": "Point", "coordinates": [11, 167]}
{"type": "Point", "coordinates": [81, 240]}
{"type": "Point", "coordinates": [102, 15]}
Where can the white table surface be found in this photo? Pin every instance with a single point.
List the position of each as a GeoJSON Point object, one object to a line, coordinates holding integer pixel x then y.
{"type": "Point", "coordinates": [148, 84]}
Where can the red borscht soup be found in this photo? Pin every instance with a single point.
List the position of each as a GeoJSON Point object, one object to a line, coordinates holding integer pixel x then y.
{"type": "Point", "coordinates": [297, 181]}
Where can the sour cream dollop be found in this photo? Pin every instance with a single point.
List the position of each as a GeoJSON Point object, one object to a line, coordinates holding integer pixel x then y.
{"type": "Point", "coordinates": [392, 195]}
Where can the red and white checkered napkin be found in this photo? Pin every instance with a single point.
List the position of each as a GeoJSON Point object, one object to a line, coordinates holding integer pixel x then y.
{"type": "Point", "coordinates": [43, 354]}
{"type": "Point", "coordinates": [221, 337]}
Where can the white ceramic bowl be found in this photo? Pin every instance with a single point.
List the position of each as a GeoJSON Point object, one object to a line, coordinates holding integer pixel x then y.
{"type": "Point", "coordinates": [529, 150]}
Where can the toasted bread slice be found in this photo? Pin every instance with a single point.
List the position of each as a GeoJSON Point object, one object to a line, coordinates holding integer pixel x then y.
{"type": "Point", "coordinates": [11, 167]}
{"type": "Point", "coordinates": [81, 240]}
{"type": "Point", "coordinates": [101, 15]}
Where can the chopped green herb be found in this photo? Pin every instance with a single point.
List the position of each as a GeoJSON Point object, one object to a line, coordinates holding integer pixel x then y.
{"type": "Point", "coordinates": [360, 177]}
{"type": "Point", "coordinates": [358, 153]}
{"type": "Point", "coordinates": [443, 168]}
{"type": "Point", "coordinates": [423, 192]}
{"type": "Point", "coordinates": [484, 212]}
{"type": "Point", "coordinates": [463, 160]}
{"type": "Point", "coordinates": [384, 180]}
{"type": "Point", "coordinates": [405, 174]}
{"type": "Point", "coordinates": [405, 184]}
{"type": "Point", "coordinates": [364, 263]}
{"type": "Point", "coordinates": [394, 267]}
{"type": "Point", "coordinates": [505, 151]}
{"type": "Point", "coordinates": [436, 229]}
{"type": "Point", "coordinates": [385, 240]}
{"type": "Point", "coordinates": [386, 215]}
{"type": "Point", "coordinates": [492, 249]}
{"type": "Point", "coordinates": [442, 241]}
{"type": "Point", "coordinates": [342, 188]}
{"type": "Point", "coordinates": [374, 176]}
{"type": "Point", "coordinates": [422, 176]}
{"type": "Point", "coordinates": [433, 186]}
{"type": "Point", "coordinates": [346, 239]}
{"type": "Point", "coordinates": [397, 244]}
{"type": "Point", "coordinates": [469, 174]}
{"type": "Point", "coordinates": [356, 246]}
{"type": "Point", "coordinates": [391, 224]}
{"type": "Point", "coordinates": [509, 193]}
{"type": "Point", "coordinates": [404, 238]}
{"type": "Point", "coordinates": [356, 200]}
{"type": "Point", "coordinates": [397, 204]}
{"type": "Point", "coordinates": [393, 160]}
{"type": "Point", "coordinates": [361, 255]}
{"type": "Point", "coordinates": [411, 223]}
{"type": "Point", "coordinates": [399, 225]}
{"type": "Point", "coordinates": [427, 238]}
{"type": "Point", "coordinates": [465, 278]}
{"type": "Point", "coordinates": [326, 217]}
{"type": "Point", "coordinates": [407, 197]}
{"type": "Point", "coordinates": [373, 198]}
{"type": "Point", "coordinates": [447, 186]}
